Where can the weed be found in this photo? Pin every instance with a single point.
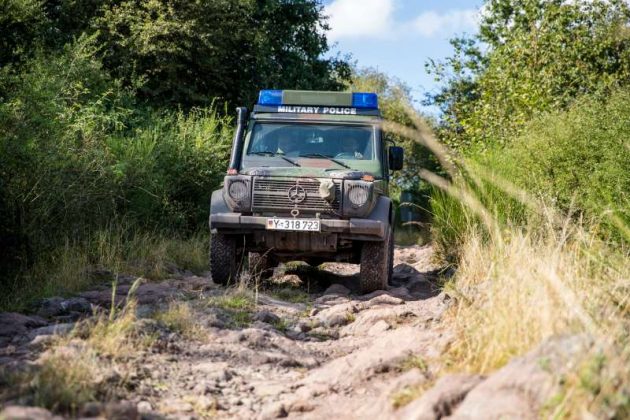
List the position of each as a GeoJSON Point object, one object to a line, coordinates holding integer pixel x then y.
{"type": "Point", "coordinates": [180, 317]}
{"type": "Point", "coordinates": [290, 294]}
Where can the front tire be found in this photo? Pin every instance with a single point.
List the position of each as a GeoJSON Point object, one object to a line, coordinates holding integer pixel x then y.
{"type": "Point", "coordinates": [376, 264]}
{"type": "Point", "coordinates": [224, 259]}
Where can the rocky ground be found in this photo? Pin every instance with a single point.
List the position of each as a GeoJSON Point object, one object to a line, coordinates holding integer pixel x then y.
{"type": "Point", "coordinates": [293, 350]}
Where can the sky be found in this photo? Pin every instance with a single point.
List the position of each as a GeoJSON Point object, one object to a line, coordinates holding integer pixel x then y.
{"type": "Point", "coordinates": [398, 36]}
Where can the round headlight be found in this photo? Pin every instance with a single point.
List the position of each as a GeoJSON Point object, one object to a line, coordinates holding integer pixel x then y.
{"type": "Point", "coordinates": [238, 190]}
{"type": "Point", "coordinates": [358, 195]}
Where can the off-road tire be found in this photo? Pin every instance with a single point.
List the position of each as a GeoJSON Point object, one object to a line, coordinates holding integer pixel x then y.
{"type": "Point", "coordinates": [260, 265]}
{"type": "Point", "coordinates": [376, 264]}
{"type": "Point", "coordinates": [224, 259]}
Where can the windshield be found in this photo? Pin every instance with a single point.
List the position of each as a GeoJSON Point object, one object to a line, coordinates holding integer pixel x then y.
{"type": "Point", "coordinates": [303, 144]}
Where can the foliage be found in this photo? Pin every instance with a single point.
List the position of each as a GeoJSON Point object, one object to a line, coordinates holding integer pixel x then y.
{"type": "Point", "coordinates": [530, 56]}
{"type": "Point", "coordinates": [78, 155]}
{"type": "Point", "coordinates": [395, 102]}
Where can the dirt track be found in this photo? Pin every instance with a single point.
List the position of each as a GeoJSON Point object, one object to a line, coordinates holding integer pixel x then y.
{"type": "Point", "coordinates": [327, 354]}
{"type": "Point", "coordinates": [310, 348]}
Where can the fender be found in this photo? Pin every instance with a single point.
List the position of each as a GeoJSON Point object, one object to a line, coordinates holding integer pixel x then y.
{"type": "Point", "coordinates": [218, 204]}
{"type": "Point", "coordinates": [383, 211]}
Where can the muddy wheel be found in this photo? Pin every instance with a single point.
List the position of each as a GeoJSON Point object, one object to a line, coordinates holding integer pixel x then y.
{"type": "Point", "coordinates": [376, 264]}
{"type": "Point", "coordinates": [260, 265]}
{"type": "Point", "coordinates": [224, 259]}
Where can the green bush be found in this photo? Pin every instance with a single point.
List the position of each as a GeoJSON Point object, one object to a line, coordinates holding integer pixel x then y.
{"type": "Point", "coordinates": [78, 155]}
{"type": "Point", "coordinates": [575, 161]}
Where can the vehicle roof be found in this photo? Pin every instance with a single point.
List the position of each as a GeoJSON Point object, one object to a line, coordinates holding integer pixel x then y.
{"type": "Point", "coordinates": [317, 118]}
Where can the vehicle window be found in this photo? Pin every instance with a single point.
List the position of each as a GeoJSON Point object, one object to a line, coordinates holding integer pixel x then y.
{"type": "Point", "coordinates": [312, 140]}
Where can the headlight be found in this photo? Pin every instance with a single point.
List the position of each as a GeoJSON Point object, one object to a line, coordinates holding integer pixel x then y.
{"type": "Point", "coordinates": [238, 191]}
{"type": "Point", "coordinates": [358, 198]}
{"type": "Point", "coordinates": [359, 195]}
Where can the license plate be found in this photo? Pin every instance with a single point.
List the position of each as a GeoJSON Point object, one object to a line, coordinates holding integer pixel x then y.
{"type": "Point", "coordinates": [302, 225]}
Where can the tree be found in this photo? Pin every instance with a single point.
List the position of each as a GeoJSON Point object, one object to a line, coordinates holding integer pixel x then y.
{"type": "Point", "coordinates": [530, 57]}
{"type": "Point", "coordinates": [193, 53]}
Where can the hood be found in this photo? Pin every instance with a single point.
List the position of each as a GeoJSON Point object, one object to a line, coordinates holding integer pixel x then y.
{"type": "Point", "coordinates": [304, 172]}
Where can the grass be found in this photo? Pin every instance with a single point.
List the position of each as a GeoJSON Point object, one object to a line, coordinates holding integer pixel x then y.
{"type": "Point", "coordinates": [290, 294]}
{"type": "Point", "coordinates": [88, 365]}
{"type": "Point", "coordinates": [73, 267]}
{"type": "Point", "coordinates": [238, 303]}
{"type": "Point", "coordinates": [181, 318]}
{"type": "Point", "coordinates": [528, 272]}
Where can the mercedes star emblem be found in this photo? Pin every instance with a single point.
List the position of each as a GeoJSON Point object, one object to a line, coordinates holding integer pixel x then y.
{"type": "Point", "coordinates": [296, 194]}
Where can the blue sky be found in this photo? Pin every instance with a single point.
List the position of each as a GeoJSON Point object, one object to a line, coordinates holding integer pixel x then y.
{"type": "Point", "coordinates": [399, 36]}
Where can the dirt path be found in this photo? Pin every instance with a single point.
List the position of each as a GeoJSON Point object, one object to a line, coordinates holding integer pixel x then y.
{"type": "Point", "coordinates": [324, 354]}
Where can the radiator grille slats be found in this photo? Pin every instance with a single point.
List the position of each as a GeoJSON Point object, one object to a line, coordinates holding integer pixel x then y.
{"type": "Point", "coordinates": [272, 194]}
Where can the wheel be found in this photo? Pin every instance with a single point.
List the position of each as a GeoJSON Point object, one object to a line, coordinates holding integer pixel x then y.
{"type": "Point", "coordinates": [376, 264]}
{"type": "Point", "coordinates": [260, 265]}
{"type": "Point", "coordinates": [225, 261]}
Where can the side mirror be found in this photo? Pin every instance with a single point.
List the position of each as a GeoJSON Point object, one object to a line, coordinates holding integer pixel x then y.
{"type": "Point", "coordinates": [396, 156]}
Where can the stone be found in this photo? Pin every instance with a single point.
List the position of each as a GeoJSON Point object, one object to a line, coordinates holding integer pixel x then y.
{"type": "Point", "coordinates": [337, 289]}
{"type": "Point", "coordinates": [266, 316]}
{"type": "Point", "coordinates": [378, 328]}
{"type": "Point", "coordinates": [123, 410]}
{"type": "Point", "coordinates": [522, 387]}
{"type": "Point", "coordinates": [273, 411]}
{"type": "Point", "coordinates": [54, 329]}
{"type": "Point", "coordinates": [12, 324]}
{"type": "Point", "coordinates": [291, 279]}
{"type": "Point", "coordinates": [384, 299]}
{"type": "Point", "coordinates": [57, 306]}
{"type": "Point", "coordinates": [144, 407]}
{"type": "Point", "coordinates": [17, 412]}
{"type": "Point", "coordinates": [91, 409]}
{"type": "Point", "coordinates": [442, 399]}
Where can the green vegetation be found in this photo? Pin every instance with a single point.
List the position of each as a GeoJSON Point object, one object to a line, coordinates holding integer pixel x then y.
{"type": "Point", "coordinates": [535, 211]}
{"type": "Point", "coordinates": [116, 126]}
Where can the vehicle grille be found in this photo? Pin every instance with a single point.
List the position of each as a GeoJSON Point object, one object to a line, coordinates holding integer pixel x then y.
{"type": "Point", "coordinates": [272, 194]}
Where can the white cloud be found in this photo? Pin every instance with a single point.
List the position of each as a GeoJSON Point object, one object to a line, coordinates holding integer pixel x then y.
{"type": "Point", "coordinates": [375, 19]}
{"type": "Point", "coordinates": [360, 18]}
{"type": "Point", "coordinates": [430, 23]}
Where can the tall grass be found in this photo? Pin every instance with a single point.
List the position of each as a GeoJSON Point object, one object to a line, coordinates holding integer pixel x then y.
{"type": "Point", "coordinates": [527, 271]}
{"type": "Point", "coordinates": [79, 264]}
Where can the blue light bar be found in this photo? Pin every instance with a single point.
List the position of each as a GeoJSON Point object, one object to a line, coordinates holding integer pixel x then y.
{"type": "Point", "coordinates": [365, 100]}
{"type": "Point", "coordinates": [270, 97]}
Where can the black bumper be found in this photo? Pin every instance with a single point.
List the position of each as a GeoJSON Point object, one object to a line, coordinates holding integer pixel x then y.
{"type": "Point", "coordinates": [365, 229]}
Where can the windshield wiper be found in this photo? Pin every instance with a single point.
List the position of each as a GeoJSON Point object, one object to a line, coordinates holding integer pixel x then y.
{"type": "Point", "coordinates": [316, 155]}
{"type": "Point", "coordinates": [269, 153]}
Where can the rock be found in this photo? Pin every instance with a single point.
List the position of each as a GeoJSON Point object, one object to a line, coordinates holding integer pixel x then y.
{"type": "Point", "coordinates": [300, 406]}
{"type": "Point", "coordinates": [337, 315]}
{"type": "Point", "coordinates": [378, 328]}
{"type": "Point", "coordinates": [441, 400]}
{"type": "Point", "coordinates": [122, 410]}
{"type": "Point", "coordinates": [17, 412]}
{"type": "Point", "coordinates": [144, 407]}
{"type": "Point", "coordinates": [144, 311]}
{"type": "Point", "coordinates": [14, 328]}
{"type": "Point", "coordinates": [290, 279]}
{"type": "Point", "coordinates": [337, 289]}
{"type": "Point", "coordinates": [196, 283]}
{"type": "Point", "coordinates": [57, 306]}
{"type": "Point", "coordinates": [267, 317]}
{"type": "Point", "coordinates": [383, 299]}
{"type": "Point", "coordinates": [273, 411]}
{"type": "Point", "coordinates": [523, 386]}
{"type": "Point", "coordinates": [304, 326]}
{"type": "Point", "coordinates": [41, 341]}
{"type": "Point", "coordinates": [55, 329]}
{"type": "Point", "coordinates": [91, 409]}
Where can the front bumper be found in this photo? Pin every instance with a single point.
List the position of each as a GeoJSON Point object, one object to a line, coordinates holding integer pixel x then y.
{"type": "Point", "coordinates": [364, 229]}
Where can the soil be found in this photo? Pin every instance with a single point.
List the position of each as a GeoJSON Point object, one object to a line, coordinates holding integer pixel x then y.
{"type": "Point", "coordinates": [311, 349]}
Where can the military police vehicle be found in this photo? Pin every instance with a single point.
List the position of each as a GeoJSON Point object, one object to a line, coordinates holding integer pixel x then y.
{"type": "Point", "coordinates": [307, 181]}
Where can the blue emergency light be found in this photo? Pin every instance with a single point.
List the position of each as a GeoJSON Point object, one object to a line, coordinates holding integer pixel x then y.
{"type": "Point", "coordinates": [360, 100]}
